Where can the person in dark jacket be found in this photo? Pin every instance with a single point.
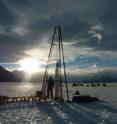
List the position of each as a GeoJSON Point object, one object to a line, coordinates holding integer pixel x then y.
{"type": "Point", "coordinates": [50, 87]}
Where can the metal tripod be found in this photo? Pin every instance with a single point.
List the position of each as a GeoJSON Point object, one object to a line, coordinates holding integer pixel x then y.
{"type": "Point", "coordinates": [61, 61]}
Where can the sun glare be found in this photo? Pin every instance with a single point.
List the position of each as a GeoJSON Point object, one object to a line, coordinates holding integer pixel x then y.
{"type": "Point", "coordinates": [30, 65]}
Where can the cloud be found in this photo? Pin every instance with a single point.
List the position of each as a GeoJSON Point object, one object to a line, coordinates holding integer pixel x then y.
{"type": "Point", "coordinates": [20, 30]}
{"type": "Point", "coordinates": [97, 27]}
{"type": "Point", "coordinates": [98, 36]}
{"type": "Point", "coordinates": [95, 32]}
{"type": "Point", "coordinates": [89, 28]}
{"type": "Point", "coordinates": [2, 30]}
{"type": "Point", "coordinates": [94, 66]}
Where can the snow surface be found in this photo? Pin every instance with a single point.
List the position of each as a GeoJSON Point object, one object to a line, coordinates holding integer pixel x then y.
{"type": "Point", "coordinates": [103, 112]}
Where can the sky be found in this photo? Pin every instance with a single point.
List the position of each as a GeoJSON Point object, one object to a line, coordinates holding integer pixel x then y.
{"type": "Point", "coordinates": [89, 29]}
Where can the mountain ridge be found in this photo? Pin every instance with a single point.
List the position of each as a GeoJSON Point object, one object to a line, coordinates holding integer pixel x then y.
{"type": "Point", "coordinates": [7, 76]}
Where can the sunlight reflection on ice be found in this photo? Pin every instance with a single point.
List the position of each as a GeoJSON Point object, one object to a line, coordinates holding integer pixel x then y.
{"type": "Point", "coordinates": [27, 113]}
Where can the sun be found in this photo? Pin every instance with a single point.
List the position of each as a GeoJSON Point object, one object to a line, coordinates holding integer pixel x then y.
{"type": "Point", "coordinates": [30, 65]}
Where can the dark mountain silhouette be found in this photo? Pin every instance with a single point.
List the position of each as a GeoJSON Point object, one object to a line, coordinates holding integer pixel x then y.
{"type": "Point", "coordinates": [7, 76]}
{"type": "Point", "coordinates": [100, 77]}
{"type": "Point", "coordinates": [17, 76]}
{"type": "Point", "coordinates": [20, 74]}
